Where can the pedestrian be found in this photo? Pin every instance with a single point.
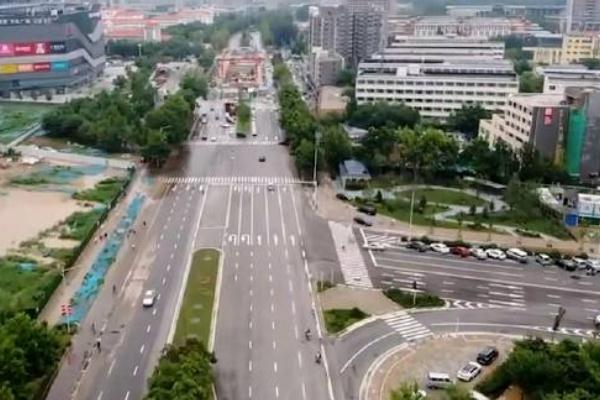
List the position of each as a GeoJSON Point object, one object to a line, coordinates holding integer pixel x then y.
{"type": "Point", "coordinates": [133, 246]}
{"type": "Point", "coordinates": [105, 235]}
{"type": "Point", "coordinates": [114, 289]}
{"type": "Point", "coordinates": [98, 345]}
{"type": "Point", "coordinates": [144, 223]}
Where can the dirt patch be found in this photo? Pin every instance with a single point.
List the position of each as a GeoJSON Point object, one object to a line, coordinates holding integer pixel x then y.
{"type": "Point", "coordinates": [57, 243]}
{"type": "Point", "coordinates": [372, 302]}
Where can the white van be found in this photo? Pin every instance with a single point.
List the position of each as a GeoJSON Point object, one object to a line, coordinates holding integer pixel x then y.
{"type": "Point", "coordinates": [436, 380]}
{"type": "Point", "coordinates": [517, 254]}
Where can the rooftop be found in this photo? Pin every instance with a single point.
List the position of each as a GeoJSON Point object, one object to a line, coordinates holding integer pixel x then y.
{"type": "Point", "coordinates": [354, 168]}
{"type": "Point", "coordinates": [539, 99]}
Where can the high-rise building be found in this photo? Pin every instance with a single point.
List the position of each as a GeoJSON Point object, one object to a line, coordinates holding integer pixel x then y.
{"type": "Point", "coordinates": [324, 66]}
{"type": "Point", "coordinates": [352, 34]}
{"type": "Point", "coordinates": [49, 46]}
{"type": "Point", "coordinates": [582, 15]}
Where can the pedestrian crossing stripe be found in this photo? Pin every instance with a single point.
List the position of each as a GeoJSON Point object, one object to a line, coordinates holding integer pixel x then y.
{"type": "Point", "coordinates": [234, 143]}
{"type": "Point", "coordinates": [226, 180]}
{"type": "Point", "coordinates": [353, 267]}
{"type": "Point", "coordinates": [406, 326]}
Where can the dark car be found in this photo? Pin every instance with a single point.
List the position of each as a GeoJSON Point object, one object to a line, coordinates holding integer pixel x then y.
{"type": "Point", "coordinates": [368, 209]}
{"type": "Point", "coordinates": [342, 196]}
{"type": "Point", "coordinates": [487, 355]}
{"type": "Point", "coordinates": [567, 264]}
{"type": "Point", "coordinates": [262, 159]}
{"type": "Point", "coordinates": [460, 251]}
{"type": "Point", "coordinates": [362, 221]}
{"type": "Point", "coordinates": [417, 245]}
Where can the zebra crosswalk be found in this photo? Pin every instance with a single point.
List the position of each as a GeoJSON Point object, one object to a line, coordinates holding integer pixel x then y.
{"type": "Point", "coordinates": [352, 264]}
{"type": "Point", "coordinates": [227, 180]}
{"type": "Point", "coordinates": [468, 305]}
{"type": "Point", "coordinates": [377, 238]}
{"type": "Point", "coordinates": [234, 142]}
{"type": "Point", "coordinates": [407, 326]}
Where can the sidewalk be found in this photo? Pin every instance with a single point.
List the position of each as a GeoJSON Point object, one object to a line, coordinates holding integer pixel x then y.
{"type": "Point", "coordinates": [333, 209]}
{"type": "Point", "coordinates": [74, 278]}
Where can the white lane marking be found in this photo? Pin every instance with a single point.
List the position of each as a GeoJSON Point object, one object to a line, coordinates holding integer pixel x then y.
{"type": "Point", "coordinates": [100, 395]}
{"type": "Point", "coordinates": [447, 291]}
{"type": "Point", "coordinates": [589, 301]}
{"type": "Point", "coordinates": [273, 325]}
{"type": "Point", "coordinates": [172, 256]}
{"type": "Point", "coordinates": [251, 278]}
{"type": "Point", "coordinates": [483, 296]}
{"type": "Point", "coordinates": [250, 392]}
{"type": "Point", "coordinates": [303, 390]}
{"type": "Point", "coordinates": [267, 218]}
{"type": "Point", "coordinates": [275, 239]}
{"type": "Point", "coordinates": [362, 349]}
{"type": "Point", "coordinates": [276, 391]}
{"type": "Point", "coordinates": [270, 278]}
{"type": "Point", "coordinates": [274, 345]}
{"type": "Point", "coordinates": [164, 281]}
{"type": "Point", "coordinates": [281, 217]}
{"type": "Point", "coordinates": [299, 359]}
{"type": "Point", "coordinates": [240, 210]}
{"type": "Point", "coordinates": [296, 213]}
{"type": "Point", "coordinates": [293, 308]}
{"type": "Point", "coordinates": [235, 277]}
{"type": "Point", "coordinates": [512, 295]}
{"type": "Point", "coordinates": [110, 368]}
{"type": "Point", "coordinates": [250, 365]}
{"type": "Point", "coordinates": [553, 296]}
{"type": "Point", "coordinates": [154, 312]}
{"type": "Point", "coordinates": [142, 349]}
{"type": "Point", "coordinates": [228, 207]}
{"type": "Point", "coordinates": [554, 305]}
{"type": "Point", "coordinates": [290, 287]}
{"type": "Point", "coordinates": [547, 278]}
{"type": "Point", "coordinates": [148, 329]}
{"type": "Point", "coordinates": [250, 344]}
{"type": "Point", "coordinates": [168, 267]}
{"type": "Point", "coordinates": [272, 307]}
{"type": "Point", "coordinates": [271, 292]}
{"type": "Point", "coordinates": [250, 325]}
{"type": "Point", "coordinates": [126, 396]}
{"type": "Point", "coordinates": [251, 292]}
{"type": "Point", "coordinates": [135, 370]}
{"type": "Point", "coordinates": [270, 266]}
{"type": "Point", "coordinates": [275, 366]}
{"type": "Point", "coordinates": [585, 283]}
{"type": "Point", "coordinates": [482, 287]}
{"type": "Point", "coordinates": [447, 283]}
{"type": "Point", "coordinates": [592, 310]}
{"type": "Point", "coordinates": [251, 240]}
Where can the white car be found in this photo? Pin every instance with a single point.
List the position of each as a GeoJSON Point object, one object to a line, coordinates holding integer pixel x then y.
{"type": "Point", "coordinates": [149, 297]}
{"type": "Point", "coordinates": [469, 371]}
{"type": "Point", "coordinates": [543, 259]}
{"type": "Point", "coordinates": [517, 254]}
{"type": "Point", "coordinates": [374, 246]}
{"type": "Point", "coordinates": [213, 138]}
{"type": "Point", "coordinates": [597, 321]}
{"type": "Point", "coordinates": [496, 254]}
{"type": "Point", "coordinates": [478, 253]}
{"type": "Point", "coordinates": [439, 248]}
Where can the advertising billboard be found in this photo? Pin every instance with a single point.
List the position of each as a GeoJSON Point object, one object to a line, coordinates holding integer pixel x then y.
{"type": "Point", "coordinates": [32, 48]}
{"type": "Point", "coordinates": [60, 66]}
{"type": "Point", "coordinates": [8, 68]}
{"type": "Point", "coordinates": [41, 67]}
{"type": "Point", "coordinates": [588, 205]}
{"type": "Point", "coordinates": [25, 67]}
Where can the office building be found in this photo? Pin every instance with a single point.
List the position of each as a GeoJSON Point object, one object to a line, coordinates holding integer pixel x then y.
{"type": "Point", "coordinates": [49, 47]}
{"type": "Point", "coordinates": [437, 88]}
{"type": "Point", "coordinates": [582, 16]}
{"type": "Point", "coordinates": [419, 49]}
{"type": "Point", "coordinates": [536, 119]}
{"type": "Point", "coordinates": [582, 157]}
{"type": "Point", "coordinates": [324, 66]}
{"type": "Point", "coordinates": [558, 77]}
{"type": "Point", "coordinates": [353, 35]}
{"type": "Point", "coordinates": [475, 27]}
{"type": "Point", "coordinates": [577, 47]}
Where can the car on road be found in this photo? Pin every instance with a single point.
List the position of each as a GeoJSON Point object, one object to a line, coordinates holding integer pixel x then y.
{"type": "Point", "coordinates": [597, 321]}
{"type": "Point", "coordinates": [368, 209]}
{"type": "Point", "coordinates": [271, 187]}
{"type": "Point", "coordinates": [581, 262]}
{"type": "Point", "coordinates": [461, 251]}
{"type": "Point", "coordinates": [487, 356]}
{"type": "Point", "coordinates": [149, 298]}
{"type": "Point", "coordinates": [439, 248]}
{"type": "Point", "coordinates": [469, 371]}
{"type": "Point", "coordinates": [495, 254]}
{"type": "Point", "coordinates": [374, 246]}
{"type": "Point", "coordinates": [213, 138]}
{"type": "Point", "coordinates": [478, 253]}
{"type": "Point", "coordinates": [567, 264]}
{"type": "Point", "coordinates": [359, 219]}
{"type": "Point", "coordinates": [341, 196]}
{"type": "Point", "coordinates": [517, 255]}
{"type": "Point", "coordinates": [262, 159]}
{"type": "Point", "coordinates": [417, 245]}
{"type": "Point", "coordinates": [592, 266]}
{"type": "Point", "coordinates": [543, 259]}
{"type": "Point", "coordinates": [216, 117]}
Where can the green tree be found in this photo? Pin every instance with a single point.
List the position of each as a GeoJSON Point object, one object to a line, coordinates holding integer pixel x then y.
{"type": "Point", "coordinates": [407, 391]}
{"type": "Point", "coordinates": [530, 82]}
{"type": "Point", "coordinates": [302, 13]}
{"type": "Point", "coordinates": [345, 77]}
{"type": "Point", "coordinates": [156, 150]}
{"type": "Point", "coordinates": [422, 204]}
{"type": "Point", "coordinates": [376, 115]}
{"type": "Point", "coordinates": [591, 63]}
{"type": "Point", "coordinates": [304, 156]}
{"type": "Point", "coordinates": [183, 372]}
{"type": "Point", "coordinates": [336, 146]}
{"type": "Point", "coordinates": [456, 392]}
{"type": "Point", "coordinates": [466, 119]}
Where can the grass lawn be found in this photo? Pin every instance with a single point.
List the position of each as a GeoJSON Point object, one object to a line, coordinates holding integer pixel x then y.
{"type": "Point", "coordinates": [80, 224]}
{"type": "Point", "coordinates": [445, 196]}
{"type": "Point", "coordinates": [16, 118]}
{"type": "Point", "coordinates": [337, 320]}
{"type": "Point", "coordinates": [400, 210]}
{"type": "Point", "coordinates": [549, 226]}
{"type": "Point", "coordinates": [408, 300]}
{"type": "Point", "coordinates": [104, 191]}
{"type": "Point", "coordinates": [24, 285]}
{"type": "Point", "coordinates": [196, 309]}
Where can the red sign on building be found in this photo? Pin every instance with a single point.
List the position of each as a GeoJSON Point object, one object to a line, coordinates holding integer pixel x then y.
{"type": "Point", "coordinates": [6, 49]}
{"type": "Point", "coordinates": [41, 67]}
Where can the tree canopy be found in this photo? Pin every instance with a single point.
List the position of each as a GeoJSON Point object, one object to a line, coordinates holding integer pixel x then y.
{"type": "Point", "coordinates": [530, 82]}
{"type": "Point", "coordinates": [183, 373]}
{"type": "Point", "coordinates": [376, 115]}
{"type": "Point", "coordinates": [466, 119]}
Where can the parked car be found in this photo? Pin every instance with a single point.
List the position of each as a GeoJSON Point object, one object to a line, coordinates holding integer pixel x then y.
{"type": "Point", "coordinates": [543, 259]}
{"type": "Point", "coordinates": [368, 209]}
{"type": "Point", "coordinates": [362, 220]}
{"type": "Point", "coordinates": [469, 371]}
{"type": "Point", "coordinates": [439, 248]}
{"type": "Point", "coordinates": [597, 321]}
{"type": "Point", "coordinates": [460, 251]}
{"type": "Point", "coordinates": [496, 254]}
{"type": "Point", "coordinates": [437, 380]}
{"type": "Point", "coordinates": [149, 297]}
{"type": "Point", "coordinates": [262, 159]}
{"type": "Point", "coordinates": [517, 255]}
{"type": "Point", "coordinates": [478, 253]}
{"type": "Point", "coordinates": [567, 264]}
{"type": "Point", "coordinates": [417, 245]}
{"type": "Point", "coordinates": [592, 266]}
{"type": "Point", "coordinates": [374, 246]}
{"type": "Point", "coordinates": [342, 196]}
{"type": "Point", "coordinates": [487, 355]}
{"type": "Point", "coordinates": [271, 187]}
{"type": "Point", "coordinates": [580, 262]}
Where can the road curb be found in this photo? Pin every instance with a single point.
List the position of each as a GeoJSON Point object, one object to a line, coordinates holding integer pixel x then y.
{"type": "Point", "coordinates": [216, 300]}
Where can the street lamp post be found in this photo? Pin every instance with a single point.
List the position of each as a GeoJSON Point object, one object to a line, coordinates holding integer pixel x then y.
{"type": "Point", "coordinates": [410, 218]}
{"type": "Point", "coordinates": [315, 159]}
{"type": "Point", "coordinates": [139, 45]}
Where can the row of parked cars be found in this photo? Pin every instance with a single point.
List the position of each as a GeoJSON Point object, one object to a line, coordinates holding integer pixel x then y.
{"type": "Point", "coordinates": [438, 380]}
{"type": "Point", "coordinates": [591, 266]}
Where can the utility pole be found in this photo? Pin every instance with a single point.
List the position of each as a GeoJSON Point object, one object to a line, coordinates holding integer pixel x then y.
{"type": "Point", "coordinates": [410, 218]}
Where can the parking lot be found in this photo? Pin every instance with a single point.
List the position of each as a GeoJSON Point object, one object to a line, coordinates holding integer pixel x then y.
{"type": "Point", "coordinates": [441, 355]}
{"type": "Point", "coordinates": [472, 283]}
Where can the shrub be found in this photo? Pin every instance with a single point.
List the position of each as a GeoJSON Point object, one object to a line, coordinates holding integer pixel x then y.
{"type": "Point", "coordinates": [409, 300]}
